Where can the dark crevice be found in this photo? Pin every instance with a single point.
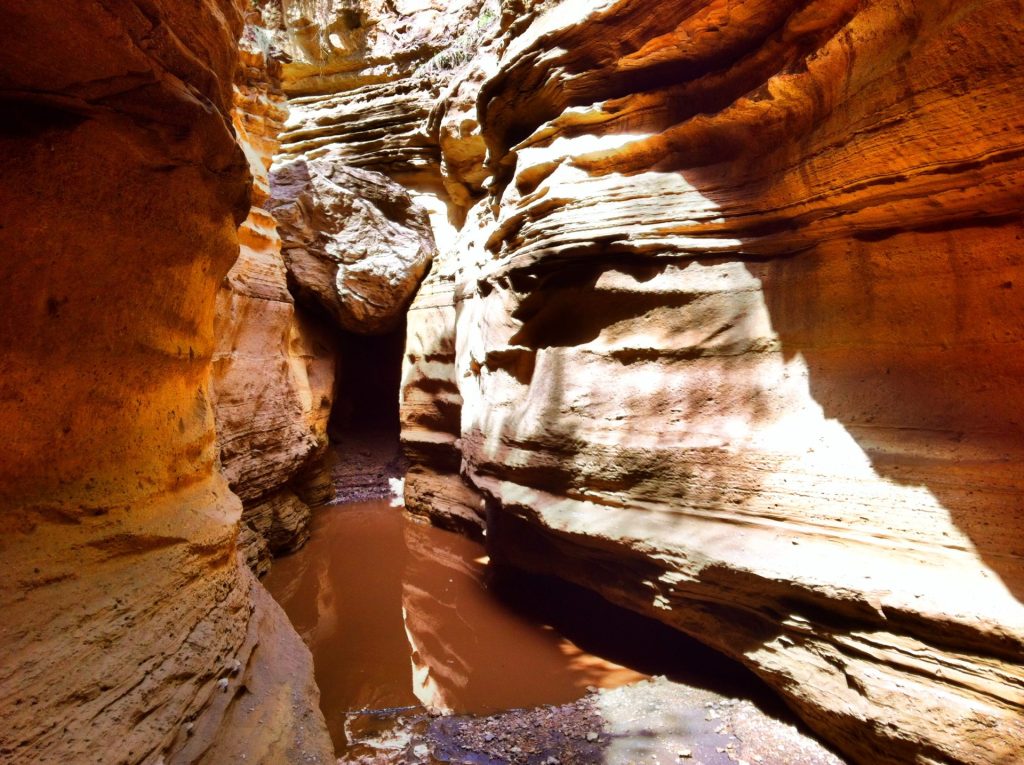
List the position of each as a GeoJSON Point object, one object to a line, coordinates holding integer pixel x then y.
{"type": "Point", "coordinates": [367, 384]}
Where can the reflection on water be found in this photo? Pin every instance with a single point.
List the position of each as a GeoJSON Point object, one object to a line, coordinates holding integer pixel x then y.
{"type": "Point", "coordinates": [398, 614]}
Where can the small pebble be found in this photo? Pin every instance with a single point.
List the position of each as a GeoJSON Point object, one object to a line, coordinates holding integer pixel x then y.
{"type": "Point", "coordinates": [591, 736]}
{"type": "Point", "coordinates": [685, 753]}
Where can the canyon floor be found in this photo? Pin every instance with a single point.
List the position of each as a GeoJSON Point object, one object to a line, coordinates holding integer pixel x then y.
{"type": "Point", "coordinates": [446, 646]}
{"type": "Point", "coordinates": [651, 721]}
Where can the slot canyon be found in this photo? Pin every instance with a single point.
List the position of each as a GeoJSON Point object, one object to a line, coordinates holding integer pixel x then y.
{"type": "Point", "coordinates": [526, 382]}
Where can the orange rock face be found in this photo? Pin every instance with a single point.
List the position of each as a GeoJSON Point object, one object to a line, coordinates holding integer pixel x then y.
{"type": "Point", "coordinates": [130, 627]}
{"type": "Point", "coordinates": [743, 348]}
{"type": "Point", "coordinates": [273, 369]}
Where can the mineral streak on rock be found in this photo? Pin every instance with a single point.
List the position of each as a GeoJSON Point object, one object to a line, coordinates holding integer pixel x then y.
{"type": "Point", "coordinates": [125, 606]}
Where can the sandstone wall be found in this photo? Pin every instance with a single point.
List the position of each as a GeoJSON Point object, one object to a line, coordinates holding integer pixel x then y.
{"type": "Point", "coordinates": [725, 323]}
{"type": "Point", "coordinates": [381, 87]}
{"type": "Point", "coordinates": [273, 369]}
{"type": "Point", "coordinates": [131, 631]}
{"type": "Point", "coordinates": [742, 349]}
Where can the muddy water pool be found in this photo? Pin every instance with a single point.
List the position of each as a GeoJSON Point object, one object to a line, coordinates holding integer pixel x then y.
{"type": "Point", "coordinates": [399, 614]}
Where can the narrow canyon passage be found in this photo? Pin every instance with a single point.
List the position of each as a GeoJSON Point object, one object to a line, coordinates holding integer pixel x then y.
{"type": "Point", "coordinates": [406, 622]}
{"type": "Point", "coordinates": [591, 382]}
{"type": "Point", "coordinates": [409, 623]}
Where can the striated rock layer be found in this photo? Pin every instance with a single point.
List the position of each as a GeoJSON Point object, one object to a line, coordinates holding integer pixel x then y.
{"type": "Point", "coordinates": [273, 369]}
{"type": "Point", "coordinates": [736, 340]}
{"type": "Point", "coordinates": [131, 631]}
{"type": "Point", "coordinates": [379, 88]}
{"type": "Point", "coordinates": [743, 346]}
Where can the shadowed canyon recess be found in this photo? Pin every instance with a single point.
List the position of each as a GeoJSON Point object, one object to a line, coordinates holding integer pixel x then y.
{"type": "Point", "coordinates": [705, 313]}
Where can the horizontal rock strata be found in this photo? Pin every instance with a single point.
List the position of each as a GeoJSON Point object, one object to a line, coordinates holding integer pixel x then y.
{"type": "Point", "coordinates": [273, 369]}
{"type": "Point", "coordinates": [734, 338]}
{"type": "Point", "coordinates": [381, 87]}
{"type": "Point", "coordinates": [129, 621]}
{"type": "Point", "coordinates": [742, 349]}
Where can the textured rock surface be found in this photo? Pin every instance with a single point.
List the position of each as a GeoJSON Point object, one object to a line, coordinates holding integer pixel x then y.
{"type": "Point", "coordinates": [273, 369]}
{"type": "Point", "coordinates": [736, 340]}
{"type": "Point", "coordinates": [124, 603]}
{"type": "Point", "coordinates": [432, 403]}
{"type": "Point", "coordinates": [382, 87]}
{"type": "Point", "coordinates": [355, 244]}
{"type": "Point", "coordinates": [743, 348]}
{"type": "Point", "coordinates": [365, 75]}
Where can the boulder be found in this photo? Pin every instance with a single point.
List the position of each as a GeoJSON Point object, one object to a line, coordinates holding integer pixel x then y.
{"type": "Point", "coordinates": [355, 244]}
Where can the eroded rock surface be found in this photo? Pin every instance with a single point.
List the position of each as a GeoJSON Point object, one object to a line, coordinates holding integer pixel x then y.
{"type": "Point", "coordinates": [382, 87]}
{"type": "Point", "coordinates": [129, 622]}
{"type": "Point", "coordinates": [355, 243]}
{"type": "Point", "coordinates": [273, 369]}
{"type": "Point", "coordinates": [742, 349]}
{"type": "Point", "coordinates": [728, 330]}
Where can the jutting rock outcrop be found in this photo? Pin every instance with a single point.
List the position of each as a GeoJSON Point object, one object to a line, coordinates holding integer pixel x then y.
{"type": "Point", "coordinates": [355, 244]}
{"type": "Point", "coordinates": [132, 632]}
{"type": "Point", "coordinates": [742, 346]}
{"type": "Point", "coordinates": [734, 338]}
{"type": "Point", "coordinates": [273, 369]}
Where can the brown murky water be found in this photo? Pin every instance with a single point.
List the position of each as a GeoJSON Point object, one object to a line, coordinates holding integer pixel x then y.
{"type": "Point", "coordinates": [399, 614]}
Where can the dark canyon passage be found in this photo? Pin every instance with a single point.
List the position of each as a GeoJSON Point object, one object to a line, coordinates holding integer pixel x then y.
{"type": "Point", "coordinates": [368, 389]}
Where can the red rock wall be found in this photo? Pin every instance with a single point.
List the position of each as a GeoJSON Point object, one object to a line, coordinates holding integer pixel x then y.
{"type": "Point", "coordinates": [743, 348]}
{"type": "Point", "coordinates": [130, 628]}
{"type": "Point", "coordinates": [273, 369]}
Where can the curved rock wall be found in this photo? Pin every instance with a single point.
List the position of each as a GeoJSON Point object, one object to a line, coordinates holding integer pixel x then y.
{"type": "Point", "coordinates": [273, 369]}
{"type": "Point", "coordinates": [742, 349]}
{"type": "Point", "coordinates": [130, 627]}
{"type": "Point", "coordinates": [729, 331]}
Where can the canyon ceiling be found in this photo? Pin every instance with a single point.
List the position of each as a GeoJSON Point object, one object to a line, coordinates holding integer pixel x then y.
{"type": "Point", "coordinates": [713, 307]}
